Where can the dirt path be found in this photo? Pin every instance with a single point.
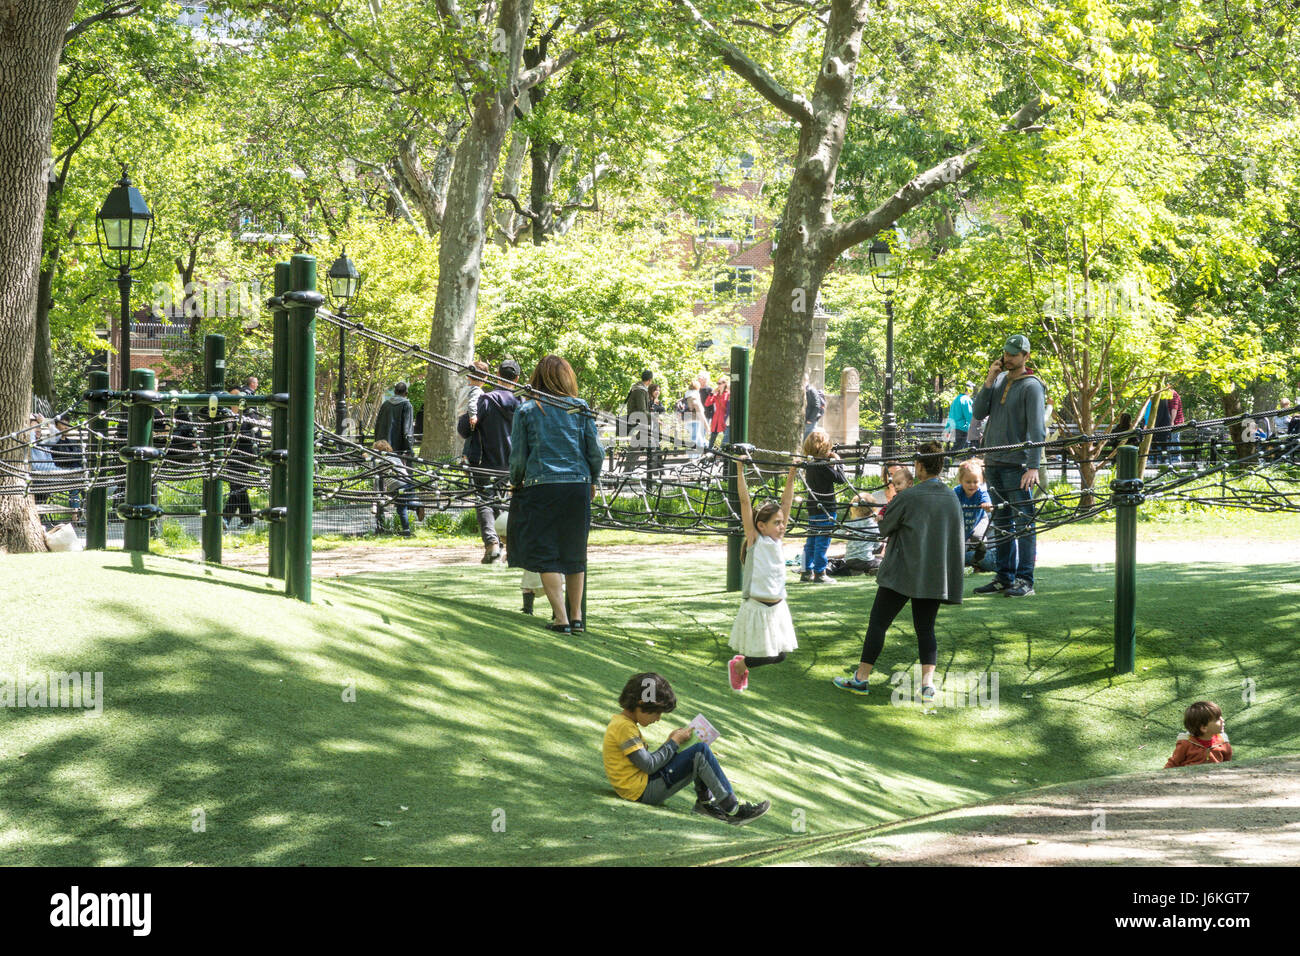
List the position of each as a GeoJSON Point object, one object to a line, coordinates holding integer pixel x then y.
{"type": "Point", "coordinates": [1223, 815]}
{"type": "Point", "coordinates": [362, 558]}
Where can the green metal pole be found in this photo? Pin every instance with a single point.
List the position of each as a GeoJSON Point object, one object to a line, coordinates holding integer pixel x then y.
{"type": "Point", "coordinates": [97, 497]}
{"type": "Point", "coordinates": [303, 300]}
{"type": "Point", "coordinates": [279, 423]}
{"type": "Point", "coordinates": [1128, 495]}
{"type": "Point", "coordinates": [138, 510]}
{"type": "Point", "coordinates": [214, 380]}
{"type": "Point", "coordinates": [739, 412]}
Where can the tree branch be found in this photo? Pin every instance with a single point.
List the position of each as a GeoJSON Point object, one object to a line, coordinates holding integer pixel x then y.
{"type": "Point", "coordinates": [795, 105]}
{"type": "Point", "coordinates": [845, 236]}
{"type": "Point", "coordinates": [114, 11]}
{"type": "Point", "coordinates": [520, 210]}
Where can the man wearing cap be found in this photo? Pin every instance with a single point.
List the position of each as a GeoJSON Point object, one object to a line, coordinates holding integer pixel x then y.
{"type": "Point", "coordinates": [488, 447]}
{"type": "Point", "coordinates": [959, 416]}
{"type": "Point", "coordinates": [1013, 399]}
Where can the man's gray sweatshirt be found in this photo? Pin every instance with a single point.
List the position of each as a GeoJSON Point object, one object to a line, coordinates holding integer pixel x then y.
{"type": "Point", "coordinates": [1015, 416]}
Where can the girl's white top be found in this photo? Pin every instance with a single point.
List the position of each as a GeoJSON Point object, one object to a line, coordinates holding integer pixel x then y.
{"type": "Point", "coordinates": [765, 570]}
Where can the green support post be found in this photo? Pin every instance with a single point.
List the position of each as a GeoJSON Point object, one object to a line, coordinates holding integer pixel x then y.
{"type": "Point", "coordinates": [303, 300]}
{"type": "Point", "coordinates": [1127, 489]}
{"type": "Point", "coordinates": [97, 497]}
{"type": "Point", "coordinates": [139, 455]}
{"type": "Point", "coordinates": [739, 412]}
{"type": "Point", "coordinates": [214, 380]}
{"type": "Point", "coordinates": [279, 423]}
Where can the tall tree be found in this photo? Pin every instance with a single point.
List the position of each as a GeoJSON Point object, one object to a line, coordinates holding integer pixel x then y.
{"type": "Point", "coordinates": [812, 240]}
{"type": "Point", "coordinates": [494, 89]}
{"type": "Point", "coordinates": [31, 38]}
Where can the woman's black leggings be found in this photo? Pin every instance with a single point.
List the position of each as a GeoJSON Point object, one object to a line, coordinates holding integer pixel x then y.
{"type": "Point", "coordinates": [886, 607]}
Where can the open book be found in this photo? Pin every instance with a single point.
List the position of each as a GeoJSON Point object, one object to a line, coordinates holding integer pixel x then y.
{"type": "Point", "coordinates": [702, 732]}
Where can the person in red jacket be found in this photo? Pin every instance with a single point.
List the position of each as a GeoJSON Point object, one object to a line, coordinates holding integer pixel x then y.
{"type": "Point", "coordinates": [1204, 741]}
{"type": "Point", "coordinates": [720, 402]}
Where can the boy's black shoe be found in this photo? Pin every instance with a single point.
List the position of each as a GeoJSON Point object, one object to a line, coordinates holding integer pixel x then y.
{"type": "Point", "coordinates": [805, 577]}
{"type": "Point", "coordinates": [996, 586]}
{"type": "Point", "coordinates": [712, 810]}
{"type": "Point", "coordinates": [748, 812]}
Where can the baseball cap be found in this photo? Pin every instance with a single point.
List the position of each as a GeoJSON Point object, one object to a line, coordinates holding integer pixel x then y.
{"type": "Point", "coordinates": [508, 369]}
{"type": "Point", "coordinates": [1016, 344]}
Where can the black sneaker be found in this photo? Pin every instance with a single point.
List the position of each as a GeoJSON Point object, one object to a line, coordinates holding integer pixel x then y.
{"type": "Point", "coordinates": [996, 586]}
{"type": "Point", "coordinates": [805, 577]}
{"type": "Point", "coordinates": [711, 810]}
{"type": "Point", "coordinates": [748, 812]}
{"type": "Point", "coordinates": [1021, 588]}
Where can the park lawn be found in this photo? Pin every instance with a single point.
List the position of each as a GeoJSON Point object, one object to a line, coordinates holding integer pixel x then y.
{"type": "Point", "coordinates": [474, 737]}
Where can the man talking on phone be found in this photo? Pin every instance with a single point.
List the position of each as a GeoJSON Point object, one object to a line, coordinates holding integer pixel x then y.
{"type": "Point", "coordinates": [1013, 400]}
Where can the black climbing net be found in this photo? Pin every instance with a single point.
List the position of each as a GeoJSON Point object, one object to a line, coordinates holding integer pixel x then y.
{"type": "Point", "coordinates": [670, 487]}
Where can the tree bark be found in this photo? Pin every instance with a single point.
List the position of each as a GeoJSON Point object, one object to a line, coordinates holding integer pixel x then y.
{"type": "Point", "coordinates": [460, 249]}
{"type": "Point", "coordinates": [31, 40]}
{"type": "Point", "coordinates": [811, 240]}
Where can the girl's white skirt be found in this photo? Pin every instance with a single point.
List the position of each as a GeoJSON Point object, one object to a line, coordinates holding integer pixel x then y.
{"type": "Point", "coordinates": [763, 631]}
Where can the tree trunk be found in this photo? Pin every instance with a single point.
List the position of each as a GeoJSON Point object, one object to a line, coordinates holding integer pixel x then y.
{"type": "Point", "coordinates": [31, 40]}
{"type": "Point", "coordinates": [804, 255]}
{"type": "Point", "coordinates": [460, 247]}
{"type": "Point", "coordinates": [511, 175]}
{"type": "Point", "coordinates": [1231, 402]}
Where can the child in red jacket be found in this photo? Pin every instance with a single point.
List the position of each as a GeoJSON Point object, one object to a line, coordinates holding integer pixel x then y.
{"type": "Point", "coordinates": [1204, 741]}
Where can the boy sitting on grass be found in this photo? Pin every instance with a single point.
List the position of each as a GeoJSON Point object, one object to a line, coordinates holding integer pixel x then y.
{"type": "Point", "coordinates": [1204, 740]}
{"type": "Point", "coordinates": [637, 774]}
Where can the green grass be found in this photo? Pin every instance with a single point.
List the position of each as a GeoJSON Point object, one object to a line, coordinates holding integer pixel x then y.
{"type": "Point", "coordinates": [223, 696]}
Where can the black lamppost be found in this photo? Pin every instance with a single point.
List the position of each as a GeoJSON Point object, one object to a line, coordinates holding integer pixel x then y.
{"type": "Point", "coordinates": [884, 276]}
{"type": "Point", "coordinates": [124, 226]}
{"type": "Point", "coordinates": [344, 282]}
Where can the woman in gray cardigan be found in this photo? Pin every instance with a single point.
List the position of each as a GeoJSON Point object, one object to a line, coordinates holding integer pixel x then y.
{"type": "Point", "coordinates": [923, 563]}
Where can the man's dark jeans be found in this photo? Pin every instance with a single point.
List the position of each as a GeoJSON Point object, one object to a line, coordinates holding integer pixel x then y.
{"type": "Point", "coordinates": [1013, 513]}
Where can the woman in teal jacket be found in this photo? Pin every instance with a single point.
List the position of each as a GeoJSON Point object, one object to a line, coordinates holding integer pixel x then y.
{"type": "Point", "coordinates": [555, 460]}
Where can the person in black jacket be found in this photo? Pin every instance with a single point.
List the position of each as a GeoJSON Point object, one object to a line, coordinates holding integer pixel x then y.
{"type": "Point", "coordinates": [395, 422]}
{"type": "Point", "coordinates": [821, 475]}
{"type": "Point", "coordinates": [814, 406]}
{"type": "Point", "coordinates": [488, 447]}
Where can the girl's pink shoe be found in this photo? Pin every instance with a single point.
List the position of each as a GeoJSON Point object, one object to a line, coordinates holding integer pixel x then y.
{"type": "Point", "coordinates": [739, 676]}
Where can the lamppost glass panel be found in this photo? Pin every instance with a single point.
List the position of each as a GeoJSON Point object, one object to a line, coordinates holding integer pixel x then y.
{"type": "Point", "coordinates": [344, 278]}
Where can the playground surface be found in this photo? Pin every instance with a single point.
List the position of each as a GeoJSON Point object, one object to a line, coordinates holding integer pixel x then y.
{"type": "Point", "coordinates": [1240, 813]}
{"type": "Point", "coordinates": [412, 716]}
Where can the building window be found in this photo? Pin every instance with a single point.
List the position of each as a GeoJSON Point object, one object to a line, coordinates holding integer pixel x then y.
{"type": "Point", "coordinates": [731, 225]}
{"type": "Point", "coordinates": [734, 282]}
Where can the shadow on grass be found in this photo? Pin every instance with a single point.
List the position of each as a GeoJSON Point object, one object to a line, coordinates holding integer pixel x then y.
{"type": "Point", "coordinates": [486, 728]}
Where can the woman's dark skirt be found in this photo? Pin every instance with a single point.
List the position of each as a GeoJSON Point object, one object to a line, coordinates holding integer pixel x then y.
{"type": "Point", "coordinates": [548, 527]}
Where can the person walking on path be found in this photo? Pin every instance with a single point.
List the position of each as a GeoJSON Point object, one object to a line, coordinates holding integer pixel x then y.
{"type": "Point", "coordinates": [395, 421]}
{"type": "Point", "coordinates": [924, 564]}
{"type": "Point", "coordinates": [720, 404]}
{"type": "Point", "coordinates": [555, 461]}
{"type": "Point", "coordinates": [638, 421]}
{"type": "Point", "coordinates": [959, 417]}
{"type": "Point", "coordinates": [1013, 400]}
{"type": "Point", "coordinates": [814, 407]}
{"type": "Point", "coordinates": [487, 447]}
